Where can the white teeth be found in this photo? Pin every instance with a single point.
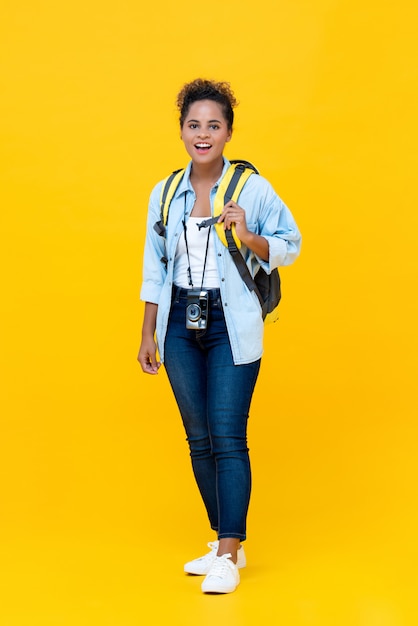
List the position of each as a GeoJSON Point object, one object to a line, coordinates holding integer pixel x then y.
{"type": "Point", "coordinates": [203, 145]}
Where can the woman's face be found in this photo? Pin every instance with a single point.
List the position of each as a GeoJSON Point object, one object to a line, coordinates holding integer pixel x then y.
{"type": "Point", "coordinates": [205, 132]}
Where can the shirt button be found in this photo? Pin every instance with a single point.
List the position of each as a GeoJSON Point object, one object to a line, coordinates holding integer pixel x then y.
{"type": "Point", "coordinates": [219, 254]}
{"type": "Point", "coordinates": [223, 280]}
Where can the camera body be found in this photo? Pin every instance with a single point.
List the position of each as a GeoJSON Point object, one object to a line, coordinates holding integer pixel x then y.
{"type": "Point", "coordinates": [197, 309]}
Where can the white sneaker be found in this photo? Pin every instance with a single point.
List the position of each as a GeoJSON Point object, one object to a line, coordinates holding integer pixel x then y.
{"type": "Point", "coordinates": [202, 565]}
{"type": "Point", "coordinates": [223, 576]}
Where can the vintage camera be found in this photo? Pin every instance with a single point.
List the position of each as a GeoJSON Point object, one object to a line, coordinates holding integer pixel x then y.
{"type": "Point", "coordinates": [197, 309]}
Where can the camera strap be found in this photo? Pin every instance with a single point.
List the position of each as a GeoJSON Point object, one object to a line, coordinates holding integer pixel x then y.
{"type": "Point", "coordinates": [189, 269]}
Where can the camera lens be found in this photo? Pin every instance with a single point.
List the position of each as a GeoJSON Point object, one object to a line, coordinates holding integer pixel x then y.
{"type": "Point", "coordinates": [194, 312]}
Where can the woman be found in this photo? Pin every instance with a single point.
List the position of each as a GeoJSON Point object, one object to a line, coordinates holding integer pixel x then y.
{"type": "Point", "coordinates": [212, 364]}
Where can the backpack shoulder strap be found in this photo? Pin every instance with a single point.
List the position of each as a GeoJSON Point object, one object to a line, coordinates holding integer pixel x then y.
{"type": "Point", "coordinates": [246, 163]}
{"type": "Point", "coordinates": [230, 188]}
{"type": "Point", "coordinates": [168, 190]}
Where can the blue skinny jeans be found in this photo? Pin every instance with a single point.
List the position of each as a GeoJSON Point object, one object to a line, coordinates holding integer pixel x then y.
{"type": "Point", "coordinates": [214, 397]}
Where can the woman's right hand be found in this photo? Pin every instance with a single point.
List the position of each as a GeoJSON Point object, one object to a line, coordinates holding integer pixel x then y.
{"type": "Point", "coordinates": [147, 356]}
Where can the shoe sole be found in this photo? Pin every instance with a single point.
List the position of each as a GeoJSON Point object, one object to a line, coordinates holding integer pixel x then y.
{"type": "Point", "coordinates": [195, 573]}
{"type": "Point", "coordinates": [214, 589]}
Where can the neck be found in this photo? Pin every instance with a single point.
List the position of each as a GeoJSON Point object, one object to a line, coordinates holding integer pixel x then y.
{"type": "Point", "coordinates": [207, 173]}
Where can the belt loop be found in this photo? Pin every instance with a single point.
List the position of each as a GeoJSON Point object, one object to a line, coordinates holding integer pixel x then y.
{"type": "Point", "coordinates": [176, 294]}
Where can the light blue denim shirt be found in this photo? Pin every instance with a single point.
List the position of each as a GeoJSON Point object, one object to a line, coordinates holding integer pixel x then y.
{"type": "Point", "coordinates": [266, 215]}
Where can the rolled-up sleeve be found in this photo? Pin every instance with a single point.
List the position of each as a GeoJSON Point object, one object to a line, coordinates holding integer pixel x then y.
{"type": "Point", "coordinates": [278, 226]}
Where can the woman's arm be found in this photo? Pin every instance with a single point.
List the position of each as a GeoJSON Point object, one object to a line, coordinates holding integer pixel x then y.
{"type": "Point", "coordinates": [147, 355]}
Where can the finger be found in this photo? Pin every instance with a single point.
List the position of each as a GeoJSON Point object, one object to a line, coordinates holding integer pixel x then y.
{"type": "Point", "coordinates": [229, 205]}
{"type": "Point", "coordinates": [154, 364]}
{"type": "Point", "coordinates": [148, 364]}
{"type": "Point", "coordinates": [150, 369]}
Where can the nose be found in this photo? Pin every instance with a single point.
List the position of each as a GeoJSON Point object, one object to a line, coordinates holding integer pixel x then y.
{"type": "Point", "coordinates": [203, 133]}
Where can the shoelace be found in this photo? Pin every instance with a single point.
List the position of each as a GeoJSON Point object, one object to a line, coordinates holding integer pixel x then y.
{"type": "Point", "coordinates": [210, 555]}
{"type": "Point", "coordinates": [221, 566]}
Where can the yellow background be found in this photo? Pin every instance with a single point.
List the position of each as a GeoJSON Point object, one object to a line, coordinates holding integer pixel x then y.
{"type": "Point", "coordinates": [98, 506]}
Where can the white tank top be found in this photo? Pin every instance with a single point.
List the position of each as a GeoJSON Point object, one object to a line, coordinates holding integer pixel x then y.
{"type": "Point", "coordinates": [196, 242]}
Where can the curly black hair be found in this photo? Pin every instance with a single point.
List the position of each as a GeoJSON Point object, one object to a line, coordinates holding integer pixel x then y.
{"type": "Point", "coordinates": [201, 89]}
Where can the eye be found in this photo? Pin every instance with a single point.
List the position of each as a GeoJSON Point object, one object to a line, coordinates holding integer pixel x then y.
{"type": "Point", "coordinates": [192, 126]}
{"type": "Point", "coordinates": [214, 126]}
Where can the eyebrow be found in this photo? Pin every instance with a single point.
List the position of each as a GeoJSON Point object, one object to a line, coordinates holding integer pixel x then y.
{"type": "Point", "coordinates": [209, 121]}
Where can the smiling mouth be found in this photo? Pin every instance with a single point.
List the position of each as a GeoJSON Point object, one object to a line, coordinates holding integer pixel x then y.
{"type": "Point", "coordinates": [203, 146]}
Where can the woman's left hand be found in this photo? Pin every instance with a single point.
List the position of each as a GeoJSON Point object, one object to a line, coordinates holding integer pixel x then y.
{"type": "Point", "coordinates": [234, 214]}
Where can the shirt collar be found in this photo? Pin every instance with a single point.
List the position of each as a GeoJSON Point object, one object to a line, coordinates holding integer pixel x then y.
{"type": "Point", "coordinates": [186, 185]}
